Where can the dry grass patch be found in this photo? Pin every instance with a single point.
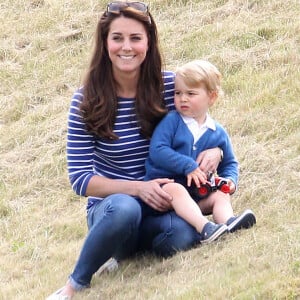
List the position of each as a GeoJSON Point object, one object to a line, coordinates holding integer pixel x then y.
{"type": "Point", "coordinates": [44, 49]}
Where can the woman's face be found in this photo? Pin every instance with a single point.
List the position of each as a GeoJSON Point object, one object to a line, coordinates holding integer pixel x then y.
{"type": "Point", "coordinates": [127, 45]}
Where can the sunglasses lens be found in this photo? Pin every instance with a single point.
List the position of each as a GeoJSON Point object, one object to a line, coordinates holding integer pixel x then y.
{"type": "Point", "coordinates": [116, 6]}
{"type": "Point", "coordinates": [139, 6]}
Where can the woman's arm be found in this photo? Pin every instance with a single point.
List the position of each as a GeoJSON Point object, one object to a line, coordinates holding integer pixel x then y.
{"type": "Point", "coordinates": [148, 191]}
{"type": "Point", "coordinates": [209, 159]}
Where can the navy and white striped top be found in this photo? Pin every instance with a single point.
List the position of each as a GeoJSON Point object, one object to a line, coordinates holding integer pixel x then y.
{"type": "Point", "coordinates": [124, 158]}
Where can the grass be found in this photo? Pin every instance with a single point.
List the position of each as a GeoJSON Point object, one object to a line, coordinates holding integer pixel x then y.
{"type": "Point", "coordinates": [44, 48]}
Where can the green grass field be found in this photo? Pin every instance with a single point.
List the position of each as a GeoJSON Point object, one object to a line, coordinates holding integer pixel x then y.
{"type": "Point", "coordinates": [45, 46]}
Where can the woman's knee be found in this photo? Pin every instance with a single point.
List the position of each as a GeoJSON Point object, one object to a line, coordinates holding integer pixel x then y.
{"type": "Point", "coordinates": [177, 235]}
{"type": "Point", "coordinates": [123, 204]}
{"type": "Point", "coordinates": [120, 208]}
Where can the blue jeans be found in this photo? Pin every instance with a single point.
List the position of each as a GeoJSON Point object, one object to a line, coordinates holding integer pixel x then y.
{"type": "Point", "coordinates": [116, 229]}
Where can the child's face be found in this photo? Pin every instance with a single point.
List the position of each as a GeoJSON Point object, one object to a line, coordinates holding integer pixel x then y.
{"type": "Point", "coordinates": [192, 102]}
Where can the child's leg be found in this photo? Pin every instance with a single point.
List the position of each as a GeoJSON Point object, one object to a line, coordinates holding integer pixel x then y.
{"type": "Point", "coordinates": [218, 204]}
{"type": "Point", "coordinates": [185, 206]}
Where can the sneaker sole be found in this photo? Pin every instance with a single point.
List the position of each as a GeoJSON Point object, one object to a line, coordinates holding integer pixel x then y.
{"type": "Point", "coordinates": [216, 235]}
{"type": "Point", "coordinates": [245, 220]}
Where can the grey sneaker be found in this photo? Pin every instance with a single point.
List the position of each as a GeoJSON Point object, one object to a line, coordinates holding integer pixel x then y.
{"type": "Point", "coordinates": [109, 266]}
{"type": "Point", "coordinates": [245, 220]}
{"type": "Point", "coordinates": [212, 232]}
{"type": "Point", "coordinates": [57, 296]}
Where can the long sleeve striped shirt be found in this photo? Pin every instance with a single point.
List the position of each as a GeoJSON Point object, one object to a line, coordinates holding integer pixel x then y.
{"type": "Point", "coordinates": [88, 155]}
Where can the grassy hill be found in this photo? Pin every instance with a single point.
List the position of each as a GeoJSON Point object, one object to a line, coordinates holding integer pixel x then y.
{"type": "Point", "coordinates": [44, 49]}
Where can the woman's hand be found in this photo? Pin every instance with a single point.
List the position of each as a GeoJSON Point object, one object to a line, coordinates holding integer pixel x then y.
{"type": "Point", "coordinates": [152, 194]}
{"type": "Point", "coordinates": [148, 191]}
{"type": "Point", "coordinates": [197, 176]}
{"type": "Point", "coordinates": [209, 160]}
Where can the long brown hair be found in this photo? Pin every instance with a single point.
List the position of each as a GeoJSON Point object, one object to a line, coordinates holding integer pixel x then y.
{"type": "Point", "coordinates": [99, 106]}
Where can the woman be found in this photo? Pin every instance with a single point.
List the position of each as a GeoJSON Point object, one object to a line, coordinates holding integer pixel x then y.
{"type": "Point", "coordinates": [111, 120]}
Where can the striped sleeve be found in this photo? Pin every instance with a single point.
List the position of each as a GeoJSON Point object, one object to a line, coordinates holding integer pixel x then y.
{"type": "Point", "coordinates": [169, 89]}
{"type": "Point", "coordinates": [80, 148]}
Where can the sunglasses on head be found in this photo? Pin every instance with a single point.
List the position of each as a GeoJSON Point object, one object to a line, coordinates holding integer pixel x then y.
{"type": "Point", "coordinates": [114, 7]}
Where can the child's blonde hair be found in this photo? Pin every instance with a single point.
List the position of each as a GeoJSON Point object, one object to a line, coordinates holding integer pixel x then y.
{"type": "Point", "coordinates": [201, 72]}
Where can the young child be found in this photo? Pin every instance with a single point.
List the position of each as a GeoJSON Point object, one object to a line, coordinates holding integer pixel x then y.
{"type": "Point", "coordinates": [177, 141]}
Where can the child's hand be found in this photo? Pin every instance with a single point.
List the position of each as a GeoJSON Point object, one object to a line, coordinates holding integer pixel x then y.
{"type": "Point", "coordinates": [231, 186]}
{"type": "Point", "coordinates": [197, 176]}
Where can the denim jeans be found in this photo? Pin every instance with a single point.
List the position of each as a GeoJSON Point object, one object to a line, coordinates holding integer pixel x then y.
{"type": "Point", "coordinates": [116, 229]}
{"type": "Point", "coordinates": [165, 234]}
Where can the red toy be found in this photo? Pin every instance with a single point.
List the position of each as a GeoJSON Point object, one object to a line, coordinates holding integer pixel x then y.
{"type": "Point", "coordinates": [213, 184]}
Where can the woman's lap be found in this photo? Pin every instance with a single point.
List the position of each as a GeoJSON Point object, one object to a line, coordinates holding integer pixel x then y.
{"type": "Point", "coordinates": [116, 228]}
{"type": "Point", "coordinates": [167, 233]}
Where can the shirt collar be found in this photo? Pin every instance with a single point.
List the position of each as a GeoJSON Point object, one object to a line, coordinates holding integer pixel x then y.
{"type": "Point", "coordinates": [209, 122]}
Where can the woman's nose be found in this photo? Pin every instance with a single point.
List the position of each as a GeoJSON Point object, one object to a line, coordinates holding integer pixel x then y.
{"type": "Point", "coordinates": [126, 45]}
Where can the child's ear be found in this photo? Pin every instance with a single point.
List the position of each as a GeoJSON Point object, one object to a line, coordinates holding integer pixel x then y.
{"type": "Point", "coordinates": [213, 97]}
